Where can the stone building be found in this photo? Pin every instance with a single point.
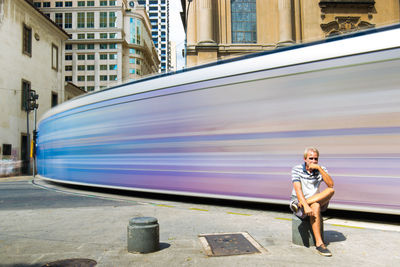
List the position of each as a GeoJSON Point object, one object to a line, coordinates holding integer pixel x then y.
{"type": "Point", "coordinates": [31, 50]}
{"type": "Point", "coordinates": [110, 43]}
{"type": "Point", "coordinates": [219, 29]}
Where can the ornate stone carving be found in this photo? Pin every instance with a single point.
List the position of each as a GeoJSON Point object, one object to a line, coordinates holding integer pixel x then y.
{"type": "Point", "coordinates": [345, 24]}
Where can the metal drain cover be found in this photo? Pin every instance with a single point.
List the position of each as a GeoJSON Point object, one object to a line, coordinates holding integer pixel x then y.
{"type": "Point", "coordinates": [72, 263]}
{"type": "Point", "coordinates": [230, 244]}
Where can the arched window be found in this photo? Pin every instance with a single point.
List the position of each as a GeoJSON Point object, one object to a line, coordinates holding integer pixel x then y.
{"type": "Point", "coordinates": [244, 21]}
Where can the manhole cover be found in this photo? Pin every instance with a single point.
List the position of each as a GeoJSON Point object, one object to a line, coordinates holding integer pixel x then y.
{"type": "Point", "coordinates": [230, 244]}
{"type": "Point", "coordinates": [72, 263]}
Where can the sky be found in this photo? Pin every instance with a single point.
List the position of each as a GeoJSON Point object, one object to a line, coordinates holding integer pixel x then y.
{"type": "Point", "coordinates": [177, 34]}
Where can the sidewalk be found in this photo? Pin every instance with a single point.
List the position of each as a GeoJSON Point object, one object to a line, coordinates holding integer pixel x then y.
{"type": "Point", "coordinates": [35, 237]}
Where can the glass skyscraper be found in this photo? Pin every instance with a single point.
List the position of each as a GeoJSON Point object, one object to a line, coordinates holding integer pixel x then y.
{"type": "Point", "coordinates": [158, 11]}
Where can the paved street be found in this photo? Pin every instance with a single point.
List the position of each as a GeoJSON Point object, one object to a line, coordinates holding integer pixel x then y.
{"type": "Point", "coordinates": [42, 223]}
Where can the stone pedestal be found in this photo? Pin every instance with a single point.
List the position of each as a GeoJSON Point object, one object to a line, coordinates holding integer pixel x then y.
{"type": "Point", "coordinates": [302, 233]}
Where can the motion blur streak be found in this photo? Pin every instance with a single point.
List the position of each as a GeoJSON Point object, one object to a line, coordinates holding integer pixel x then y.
{"type": "Point", "coordinates": [237, 135]}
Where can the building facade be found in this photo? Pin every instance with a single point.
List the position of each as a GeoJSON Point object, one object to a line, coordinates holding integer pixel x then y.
{"type": "Point", "coordinates": [31, 58]}
{"type": "Point", "coordinates": [110, 41]}
{"type": "Point", "coordinates": [158, 11]}
{"type": "Point", "coordinates": [222, 29]}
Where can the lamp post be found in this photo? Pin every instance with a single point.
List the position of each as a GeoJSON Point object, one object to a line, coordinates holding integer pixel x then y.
{"type": "Point", "coordinates": [186, 26]}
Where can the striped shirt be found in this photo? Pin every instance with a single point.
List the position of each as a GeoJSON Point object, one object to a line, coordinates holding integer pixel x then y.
{"type": "Point", "coordinates": [310, 182]}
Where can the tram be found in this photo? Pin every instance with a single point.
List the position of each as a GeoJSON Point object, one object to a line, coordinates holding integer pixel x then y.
{"type": "Point", "coordinates": [235, 128]}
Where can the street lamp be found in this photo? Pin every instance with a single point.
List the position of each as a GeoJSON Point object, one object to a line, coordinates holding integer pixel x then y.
{"type": "Point", "coordinates": [186, 24]}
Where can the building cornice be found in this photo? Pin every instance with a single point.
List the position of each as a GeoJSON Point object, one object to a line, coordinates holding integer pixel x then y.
{"type": "Point", "coordinates": [48, 19]}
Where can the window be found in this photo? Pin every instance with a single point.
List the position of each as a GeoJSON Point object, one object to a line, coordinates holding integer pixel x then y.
{"type": "Point", "coordinates": [68, 78]}
{"type": "Point", "coordinates": [243, 21]}
{"type": "Point", "coordinates": [103, 56]}
{"type": "Point", "coordinates": [103, 67]}
{"type": "Point", "coordinates": [111, 2]}
{"type": "Point", "coordinates": [132, 51]}
{"type": "Point", "coordinates": [59, 4]}
{"type": "Point", "coordinates": [38, 4]}
{"type": "Point", "coordinates": [112, 67]}
{"type": "Point", "coordinates": [90, 78]}
{"type": "Point", "coordinates": [103, 19]}
{"type": "Point", "coordinates": [103, 46]}
{"type": "Point", "coordinates": [113, 35]}
{"type": "Point", "coordinates": [26, 87]}
{"type": "Point", "coordinates": [112, 56]}
{"type": "Point", "coordinates": [81, 20]}
{"type": "Point", "coordinates": [7, 149]}
{"type": "Point", "coordinates": [90, 88]}
{"type": "Point", "coordinates": [132, 61]}
{"type": "Point", "coordinates": [54, 99]}
{"type": "Point", "coordinates": [81, 67]}
{"type": "Point", "coordinates": [138, 61]}
{"type": "Point", "coordinates": [103, 35]}
{"type": "Point", "coordinates": [59, 19]}
{"type": "Point", "coordinates": [81, 3]}
{"type": "Point", "coordinates": [68, 57]}
{"type": "Point", "coordinates": [103, 77]}
{"type": "Point", "coordinates": [54, 57]}
{"type": "Point", "coordinates": [81, 36]}
{"type": "Point", "coordinates": [68, 68]}
{"type": "Point", "coordinates": [132, 71]}
{"type": "Point", "coordinates": [113, 77]}
{"type": "Point", "coordinates": [46, 4]}
{"type": "Point", "coordinates": [103, 3]}
{"type": "Point", "coordinates": [112, 46]}
{"type": "Point", "coordinates": [90, 67]}
{"type": "Point", "coordinates": [90, 36]}
{"type": "Point", "coordinates": [27, 40]}
{"type": "Point", "coordinates": [68, 3]}
{"type": "Point", "coordinates": [81, 78]}
{"type": "Point", "coordinates": [90, 57]}
{"type": "Point", "coordinates": [112, 19]}
{"type": "Point", "coordinates": [90, 19]}
{"type": "Point", "coordinates": [81, 57]}
{"type": "Point", "coordinates": [68, 20]}
{"type": "Point", "coordinates": [90, 3]}
{"type": "Point", "coordinates": [81, 47]}
{"type": "Point", "coordinates": [90, 46]}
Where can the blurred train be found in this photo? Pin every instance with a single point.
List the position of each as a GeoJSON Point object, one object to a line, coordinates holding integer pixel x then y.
{"type": "Point", "coordinates": [235, 128]}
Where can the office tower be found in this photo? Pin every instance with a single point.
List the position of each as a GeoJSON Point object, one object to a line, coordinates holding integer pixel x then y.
{"type": "Point", "coordinates": [110, 41]}
{"type": "Point", "coordinates": [158, 11]}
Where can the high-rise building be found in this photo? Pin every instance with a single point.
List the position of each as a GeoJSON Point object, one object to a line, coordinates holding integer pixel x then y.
{"type": "Point", "coordinates": [110, 41]}
{"type": "Point", "coordinates": [158, 11]}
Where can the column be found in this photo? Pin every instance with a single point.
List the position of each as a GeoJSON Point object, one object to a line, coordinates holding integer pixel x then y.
{"type": "Point", "coordinates": [205, 22]}
{"type": "Point", "coordinates": [285, 23]}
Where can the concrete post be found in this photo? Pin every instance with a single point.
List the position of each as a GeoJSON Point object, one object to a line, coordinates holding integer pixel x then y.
{"type": "Point", "coordinates": [302, 233]}
{"type": "Point", "coordinates": [143, 235]}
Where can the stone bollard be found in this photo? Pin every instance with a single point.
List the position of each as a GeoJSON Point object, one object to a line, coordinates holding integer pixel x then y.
{"type": "Point", "coordinates": [302, 233]}
{"type": "Point", "coordinates": [143, 235]}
